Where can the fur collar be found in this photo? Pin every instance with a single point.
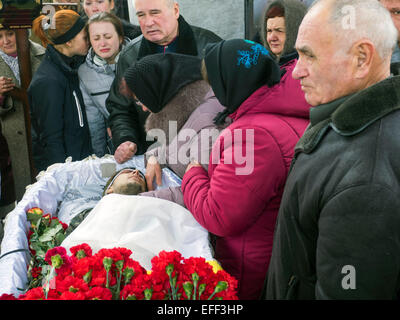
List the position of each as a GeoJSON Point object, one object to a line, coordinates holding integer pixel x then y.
{"type": "Point", "coordinates": [178, 109]}
{"type": "Point", "coordinates": [356, 113]}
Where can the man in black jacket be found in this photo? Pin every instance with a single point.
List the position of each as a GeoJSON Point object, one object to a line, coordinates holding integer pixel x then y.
{"type": "Point", "coordinates": [163, 30]}
{"type": "Point", "coordinates": [338, 228]}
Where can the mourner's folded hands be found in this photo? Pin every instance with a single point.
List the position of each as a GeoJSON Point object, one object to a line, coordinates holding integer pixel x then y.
{"type": "Point", "coordinates": [6, 85]}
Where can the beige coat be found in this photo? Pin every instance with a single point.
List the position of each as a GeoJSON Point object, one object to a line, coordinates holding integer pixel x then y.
{"type": "Point", "coordinates": [13, 125]}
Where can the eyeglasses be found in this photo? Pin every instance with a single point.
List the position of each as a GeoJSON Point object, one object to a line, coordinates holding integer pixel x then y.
{"type": "Point", "coordinates": [131, 170]}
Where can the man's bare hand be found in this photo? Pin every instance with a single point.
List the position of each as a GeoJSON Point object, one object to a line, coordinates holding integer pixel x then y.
{"type": "Point", "coordinates": [125, 151]}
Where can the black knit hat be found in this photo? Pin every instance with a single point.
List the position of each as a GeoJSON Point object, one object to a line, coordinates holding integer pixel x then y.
{"type": "Point", "coordinates": [156, 79]}
{"type": "Point", "coordinates": [235, 69]}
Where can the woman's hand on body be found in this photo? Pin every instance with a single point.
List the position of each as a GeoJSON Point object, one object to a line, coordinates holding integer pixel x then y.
{"type": "Point", "coordinates": [192, 164]}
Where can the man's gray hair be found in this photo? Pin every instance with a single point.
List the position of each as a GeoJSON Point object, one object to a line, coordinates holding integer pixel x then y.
{"type": "Point", "coordinates": [363, 19]}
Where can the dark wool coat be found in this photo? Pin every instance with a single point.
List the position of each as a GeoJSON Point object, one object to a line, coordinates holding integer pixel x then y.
{"type": "Point", "coordinates": [59, 123]}
{"type": "Point", "coordinates": [340, 212]}
{"type": "Point", "coordinates": [126, 119]}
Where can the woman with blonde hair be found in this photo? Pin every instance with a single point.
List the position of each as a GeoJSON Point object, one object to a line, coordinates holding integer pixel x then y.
{"type": "Point", "coordinates": [59, 123]}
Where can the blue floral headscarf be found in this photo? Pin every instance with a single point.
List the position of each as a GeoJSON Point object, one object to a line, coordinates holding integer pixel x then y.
{"type": "Point", "coordinates": [235, 69]}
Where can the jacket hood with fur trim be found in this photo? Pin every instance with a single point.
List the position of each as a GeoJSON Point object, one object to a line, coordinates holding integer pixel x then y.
{"type": "Point", "coordinates": [294, 14]}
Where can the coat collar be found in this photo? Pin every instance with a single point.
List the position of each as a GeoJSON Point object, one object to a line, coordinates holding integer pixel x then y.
{"type": "Point", "coordinates": [355, 114]}
{"type": "Point", "coordinates": [186, 42]}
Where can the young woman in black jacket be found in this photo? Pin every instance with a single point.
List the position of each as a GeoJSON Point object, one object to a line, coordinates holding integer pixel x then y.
{"type": "Point", "coordinates": [59, 123]}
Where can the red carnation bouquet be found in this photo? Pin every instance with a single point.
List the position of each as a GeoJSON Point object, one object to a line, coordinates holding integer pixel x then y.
{"type": "Point", "coordinates": [45, 233]}
{"type": "Point", "coordinates": [111, 274]}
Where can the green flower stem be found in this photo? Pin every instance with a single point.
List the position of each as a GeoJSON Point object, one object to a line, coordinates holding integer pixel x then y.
{"type": "Point", "coordinates": [171, 283]}
{"type": "Point", "coordinates": [202, 288]}
{"type": "Point", "coordinates": [221, 286]}
{"type": "Point", "coordinates": [119, 277]}
{"type": "Point", "coordinates": [195, 278]}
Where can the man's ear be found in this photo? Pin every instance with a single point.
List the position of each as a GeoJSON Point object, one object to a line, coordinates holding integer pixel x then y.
{"type": "Point", "coordinates": [363, 55]}
{"type": "Point", "coordinates": [176, 9]}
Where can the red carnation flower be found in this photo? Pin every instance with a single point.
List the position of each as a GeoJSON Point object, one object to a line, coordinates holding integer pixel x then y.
{"type": "Point", "coordinates": [6, 296]}
{"type": "Point", "coordinates": [230, 293]}
{"type": "Point", "coordinates": [68, 295]}
{"type": "Point", "coordinates": [99, 278]}
{"type": "Point", "coordinates": [36, 272]}
{"type": "Point", "coordinates": [64, 225]}
{"type": "Point", "coordinates": [81, 251]}
{"type": "Point", "coordinates": [38, 294]}
{"type": "Point", "coordinates": [132, 292]}
{"type": "Point", "coordinates": [125, 253]}
{"type": "Point", "coordinates": [99, 293]}
{"type": "Point", "coordinates": [33, 294]}
{"type": "Point", "coordinates": [159, 264]}
{"type": "Point", "coordinates": [71, 284]}
{"type": "Point", "coordinates": [131, 269]}
{"type": "Point", "coordinates": [58, 258]}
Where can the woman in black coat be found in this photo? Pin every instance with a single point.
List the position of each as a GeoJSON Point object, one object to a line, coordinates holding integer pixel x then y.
{"type": "Point", "coordinates": [59, 124]}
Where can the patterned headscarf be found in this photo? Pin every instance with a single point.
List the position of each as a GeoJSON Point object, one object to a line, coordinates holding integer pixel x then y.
{"type": "Point", "coordinates": [235, 69]}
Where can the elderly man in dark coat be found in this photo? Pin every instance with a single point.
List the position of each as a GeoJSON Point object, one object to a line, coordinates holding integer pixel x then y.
{"type": "Point", "coordinates": [164, 30]}
{"type": "Point", "coordinates": [338, 228]}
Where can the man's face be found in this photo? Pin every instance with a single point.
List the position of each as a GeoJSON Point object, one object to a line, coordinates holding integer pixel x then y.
{"type": "Point", "coordinates": [276, 34]}
{"type": "Point", "coordinates": [325, 73]}
{"type": "Point", "coordinates": [394, 8]}
{"type": "Point", "coordinates": [128, 181]}
{"type": "Point", "coordinates": [158, 21]}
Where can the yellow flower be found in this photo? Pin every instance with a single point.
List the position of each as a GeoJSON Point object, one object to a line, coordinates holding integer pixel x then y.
{"type": "Point", "coordinates": [34, 214]}
{"type": "Point", "coordinates": [216, 266]}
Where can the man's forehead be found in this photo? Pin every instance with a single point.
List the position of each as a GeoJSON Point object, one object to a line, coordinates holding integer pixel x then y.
{"type": "Point", "coordinates": [315, 33]}
{"type": "Point", "coordinates": [154, 4]}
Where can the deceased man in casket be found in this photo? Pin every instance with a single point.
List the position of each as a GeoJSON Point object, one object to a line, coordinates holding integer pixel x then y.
{"type": "Point", "coordinates": [104, 212]}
